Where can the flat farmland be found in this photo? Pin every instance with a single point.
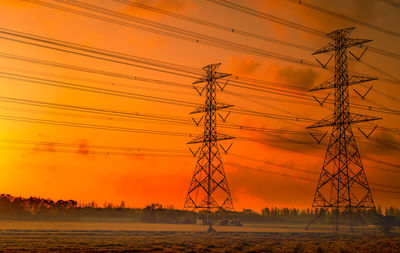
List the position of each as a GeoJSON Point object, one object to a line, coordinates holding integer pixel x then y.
{"type": "Point", "coordinates": [142, 237]}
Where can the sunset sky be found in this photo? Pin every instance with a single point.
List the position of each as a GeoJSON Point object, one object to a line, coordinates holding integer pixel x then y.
{"type": "Point", "coordinates": [74, 164]}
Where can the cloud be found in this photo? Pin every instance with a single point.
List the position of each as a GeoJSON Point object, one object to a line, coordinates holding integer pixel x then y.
{"type": "Point", "coordinates": [304, 78]}
{"type": "Point", "coordinates": [289, 141]}
{"type": "Point", "coordinates": [142, 186]}
{"type": "Point", "coordinates": [380, 142]}
{"type": "Point", "coordinates": [244, 66]}
{"type": "Point", "coordinates": [261, 186]}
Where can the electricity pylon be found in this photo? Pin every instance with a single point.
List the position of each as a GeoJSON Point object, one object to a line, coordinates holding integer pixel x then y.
{"type": "Point", "coordinates": [209, 187]}
{"type": "Point", "coordinates": [343, 185]}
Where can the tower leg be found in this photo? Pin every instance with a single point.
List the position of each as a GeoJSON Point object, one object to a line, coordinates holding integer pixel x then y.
{"type": "Point", "coordinates": [210, 229]}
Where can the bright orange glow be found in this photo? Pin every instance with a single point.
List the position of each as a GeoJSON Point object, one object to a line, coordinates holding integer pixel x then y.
{"type": "Point", "coordinates": [86, 176]}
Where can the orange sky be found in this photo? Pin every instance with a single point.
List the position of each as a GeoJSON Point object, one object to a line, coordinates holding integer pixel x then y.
{"type": "Point", "coordinates": [85, 176]}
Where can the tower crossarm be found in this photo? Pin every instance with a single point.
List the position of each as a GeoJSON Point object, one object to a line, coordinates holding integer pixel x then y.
{"type": "Point", "coordinates": [344, 31]}
{"type": "Point", "coordinates": [215, 76]}
{"type": "Point", "coordinates": [339, 35]}
{"type": "Point", "coordinates": [333, 47]}
{"type": "Point", "coordinates": [353, 119]}
{"type": "Point", "coordinates": [217, 137]}
{"type": "Point", "coordinates": [218, 106]}
{"type": "Point", "coordinates": [354, 79]}
{"type": "Point", "coordinates": [322, 123]}
{"type": "Point", "coordinates": [359, 118]}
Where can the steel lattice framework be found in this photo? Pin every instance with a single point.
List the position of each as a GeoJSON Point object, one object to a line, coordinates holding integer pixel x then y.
{"type": "Point", "coordinates": [343, 185]}
{"type": "Point", "coordinates": [209, 188]}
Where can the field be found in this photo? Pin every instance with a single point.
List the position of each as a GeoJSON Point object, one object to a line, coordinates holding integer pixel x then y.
{"type": "Point", "coordinates": [139, 237]}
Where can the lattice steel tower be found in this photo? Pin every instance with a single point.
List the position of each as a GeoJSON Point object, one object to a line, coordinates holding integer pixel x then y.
{"type": "Point", "coordinates": [209, 187]}
{"type": "Point", "coordinates": [343, 185]}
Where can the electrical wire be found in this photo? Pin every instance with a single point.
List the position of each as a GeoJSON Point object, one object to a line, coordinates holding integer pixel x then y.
{"type": "Point", "coordinates": [86, 88]}
{"type": "Point", "coordinates": [304, 178]}
{"type": "Point", "coordinates": [344, 17]}
{"type": "Point", "coordinates": [213, 25]}
{"type": "Point", "coordinates": [84, 152]}
{"type": "Point", "coordinates": [297, 26]}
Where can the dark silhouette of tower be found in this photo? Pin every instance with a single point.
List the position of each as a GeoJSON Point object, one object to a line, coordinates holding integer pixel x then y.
{"type": "Point", "coordinates": [209, 187]}
{"type": "Point", "coordinates": [343, 185]}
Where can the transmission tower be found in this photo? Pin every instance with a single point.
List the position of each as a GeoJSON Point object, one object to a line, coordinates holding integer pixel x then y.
{"type": "Point", "coordinates": [343, 185]}
{"type": "Point", "coordinates": [209, 187]}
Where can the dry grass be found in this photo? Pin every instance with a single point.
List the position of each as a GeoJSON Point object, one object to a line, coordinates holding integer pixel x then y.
{"type": "Point", "coordinates": [65, 239]}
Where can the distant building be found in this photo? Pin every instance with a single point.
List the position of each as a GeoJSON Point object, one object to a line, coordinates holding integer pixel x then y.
{"type": "Point", "coordinates": [201, 221]}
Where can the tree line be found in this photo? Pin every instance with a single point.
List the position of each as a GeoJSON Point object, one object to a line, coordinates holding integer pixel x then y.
{"type": "Point", "coordinates": [35, 208]}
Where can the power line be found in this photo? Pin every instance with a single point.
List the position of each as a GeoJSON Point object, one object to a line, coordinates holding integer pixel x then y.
{"type": "Point", "coordinates": [53, 144]}
{"type": "Point", "coordinates": [214, 25]}
{"type": "Point", "coordinates": [172, 31]}
{"type": "Point", "coordinates": [171, 68]}
{"type": "Point", "coordinates": [280, 141]}
{"type": "Point", "coordinates": [85, 109]}
{"type": "Point", "coordinates": [147, 61]}
{"type": "Point", "coordinates": [130, 95]}
{"type": "Point", "coordinates": [296, 169]}
{"type": "Point", "coordinates": [273, 164]}
{"type": "Point", "coordinates": [257, 140]}
{"type": "Point", "coordinates": [272, 91]}
{"type": "Point", "coordinates": [239, 84]}
{"type": "Point", "coordinates": [91, 70]}
{"type": "Point", "coordinates": [219, 27]}
{"type": "Point", "coordinates": [307, 29]}
{"type": "Point", "coordinates": [158, 118]}
{"type": "Point", "coordinates": [250, 87]}
{"type": "Point", "coordinates": [108, 53]}
{"type": "Point", "coordinates": [140, 154]}
{"type": "Point", "coordinates": [189, 33]}
{"type": "Point", "coordinates": [174, 84]}
{"type": "Point", "coordinates": [204, 38]}
{"type": "Point", "coordinates": [136, 130]}
{"type": "Point", "coordinates": [301, 177]}
{"type": "Point", "coordinates": [392, 3]}
{"type": "Point", "coordinates": [81, 87]}
{"type": "Point", "coordinates": [304, 170]}
{"type": "Point", "coordinates": [151, 117]}
{"type": "Point", "coordinates": [384, 162]}
{"type": "Point", "coordinates": [93, 126]}
{"type": "Point", "coordinates": [131, 130]}
{"type": "Point", "coordinates": [136, 115]}
{"type": "Point", "coordinates": [268, 17]}
{"type": "Point", "coordinates": [366, 158]}
{"type": "Point", "coordinates": [107, 83]}
{"type": "Point", "coordinates": [378, 70]}
{"type": "Point", "coordinates": [301, 170]}
{"type": "Point", "coordinates": [142, 79]}
{"type": "Point", "coordinates": [347, 18]}
{"type": "Point", "coordinates": [122, 58]}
